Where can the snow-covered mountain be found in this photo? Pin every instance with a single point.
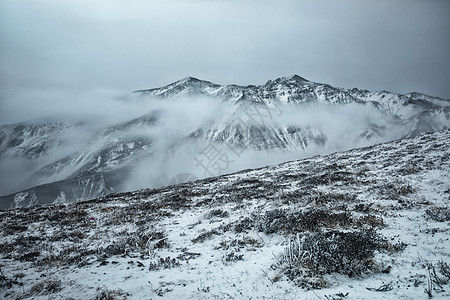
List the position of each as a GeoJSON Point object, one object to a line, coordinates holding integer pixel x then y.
{"type": "Point", "coordinates": [366, 223]}
{"type": "Point", "coordinates": [256, 104]}
{"type": "Point", "coordinates": [204, 129]}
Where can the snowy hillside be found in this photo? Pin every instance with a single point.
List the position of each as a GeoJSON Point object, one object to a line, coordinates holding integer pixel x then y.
{"type": "Point", "coordinates": [178, 125]}
{"type": "Point", "coordinates": [366, 223]}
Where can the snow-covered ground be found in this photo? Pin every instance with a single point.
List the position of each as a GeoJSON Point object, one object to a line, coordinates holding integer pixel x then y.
{"type": "Point", "coordinates": [365, 223]}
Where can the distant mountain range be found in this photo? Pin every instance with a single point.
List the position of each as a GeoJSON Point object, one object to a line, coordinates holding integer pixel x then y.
{"type": "Point", "coordinates": [290, 117]}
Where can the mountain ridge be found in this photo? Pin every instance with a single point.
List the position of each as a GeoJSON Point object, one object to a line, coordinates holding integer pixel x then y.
{"type": "Point", "coordinates": [284, 79]}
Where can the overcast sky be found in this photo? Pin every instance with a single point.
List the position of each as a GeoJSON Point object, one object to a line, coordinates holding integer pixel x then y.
{"type": "Point", "coordinates": [396, 45]}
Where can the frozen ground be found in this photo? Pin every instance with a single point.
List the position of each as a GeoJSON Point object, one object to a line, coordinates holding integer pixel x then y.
{"type": "Point", "coordinates": [360, 224]}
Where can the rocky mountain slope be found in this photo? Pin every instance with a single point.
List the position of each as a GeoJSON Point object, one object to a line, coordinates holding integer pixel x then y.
{"type": "Point", "coordinates": [68, 160]}
{"type": "Point", "coordinates": [364, 223]}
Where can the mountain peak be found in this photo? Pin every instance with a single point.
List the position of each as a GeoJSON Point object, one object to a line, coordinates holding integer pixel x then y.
{"type": "Point", "coordinates": [293, 78]}
{"type": "Point", "coordinates": [190, 79]}
{"type": "Point", "coordinates": [187, 80]}
{"type": "Point", "coordinates": [296, 77]}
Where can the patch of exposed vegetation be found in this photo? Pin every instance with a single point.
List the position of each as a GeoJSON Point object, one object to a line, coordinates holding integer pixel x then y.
{"type": "Point", "coordinates": [107, 294]}
{"type": "Point", "coordinates": [205, 236]}
{"type": "Point", "coordinates": [311, 255]}
{"type": "Point", "coordinates": [283, 221]}
{"type": "Point", "coordinates": [46, 287]}
{"type": "Point", "coordinates": [163, 263]}
{"type": "Point", "coordinates": [438, 214]}
{"type": "Point", "coordinates": [394, 190]}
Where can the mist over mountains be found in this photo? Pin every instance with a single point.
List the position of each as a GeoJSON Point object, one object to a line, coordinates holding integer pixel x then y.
{"type": "Point", "coordinates": [195, 129]}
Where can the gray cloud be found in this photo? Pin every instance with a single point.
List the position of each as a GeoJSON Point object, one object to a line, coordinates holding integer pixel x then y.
{"type": "Point", "coordinates": [341, 125]}
{"type": "Point", "coordinates": [397, 45]}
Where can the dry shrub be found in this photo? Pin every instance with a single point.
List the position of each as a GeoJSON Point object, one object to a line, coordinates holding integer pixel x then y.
{"type": "Point", "coordinates": [311, 255]}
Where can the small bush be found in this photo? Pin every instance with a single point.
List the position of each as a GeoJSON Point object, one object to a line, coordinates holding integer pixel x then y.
{"type": "Point", "coordinates": [106, 294]}
{"type": "Point", "coordinates": [371, 220]}
{"type": "Point", "coordinates": [394, 190]}
{"type": "Point", "coordinates": [48, 286]}
{"type": "Point", "coordinates": [163, 263]}
{"type": "Point", "coordinates": [205, 236]}
{"type": "Point", "coordinates": [439, 276]}
{"type": "Point", "coordinates": [239, 244]}
{"type": "Point", "coordinates": [279, 220]}
{"type": "Point", "coordinates": [233, 257]}
{"type": "Point", "coordinates": [311, 255]}
{"type": "Point", "coordinates": [218, 213]}
{"type": "Point", "coordinates": [244, 225]}
{"type": "Point", "coordinates": [136, 242]}
{"type": "Point", "coordinates": [438, 214]}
